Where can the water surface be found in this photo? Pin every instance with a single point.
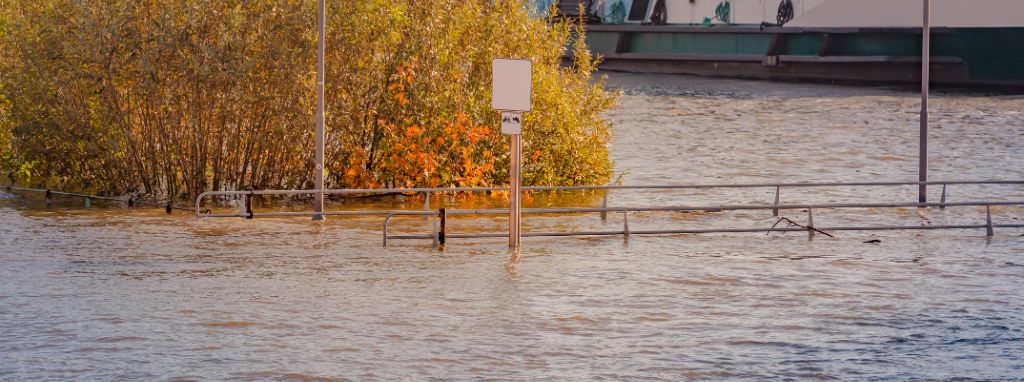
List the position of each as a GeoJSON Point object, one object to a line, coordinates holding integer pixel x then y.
{"type": "Point", "coordinates": [111, 293]}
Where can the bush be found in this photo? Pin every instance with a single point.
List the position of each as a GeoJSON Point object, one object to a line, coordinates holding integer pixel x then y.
{"type": "Point", "coordinates": [179, 97]}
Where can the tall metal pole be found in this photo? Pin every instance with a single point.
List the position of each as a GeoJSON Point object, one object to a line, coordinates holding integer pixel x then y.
{"type": "Point", "coordinates": [925, 78]}
{"type": "Point", "coordinates": [515, 186]}
{"type": "Point", "coordinates": [318, 204]}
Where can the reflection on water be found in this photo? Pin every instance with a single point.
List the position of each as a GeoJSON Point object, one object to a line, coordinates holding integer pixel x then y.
{"type": "Point", "coordinates": [110, 293]}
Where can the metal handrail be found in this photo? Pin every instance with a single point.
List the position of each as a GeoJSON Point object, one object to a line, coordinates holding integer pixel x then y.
{"type": "Point", "coordinates": [61, 193]}
{"type": "Point", "coordinates": [739, 207]}
{"type": "Point", "coordinates": [168, 206]}
{"type": "Point", "coordinates": [989, 226]}
{"type": "Point", "coordinates": [703, 231]}
{"type": "Point", "coordinates": [352, 191]}
{"type": "Point", "coordinates": [574, 210]}
{"type": "Point", "coordinates": [604, 210]}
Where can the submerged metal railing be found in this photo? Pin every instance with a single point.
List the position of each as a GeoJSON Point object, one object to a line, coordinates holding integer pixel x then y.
{"type": "Point", "coordinates": [87, 199]}
{"type": "Point", "coordinates": [440, 236]}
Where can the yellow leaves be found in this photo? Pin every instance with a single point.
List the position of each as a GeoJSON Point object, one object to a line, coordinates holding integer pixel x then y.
{"type": "Point", "coordinates": [411, 105]}
{"type": "Point", "coordinates": [441, 131]}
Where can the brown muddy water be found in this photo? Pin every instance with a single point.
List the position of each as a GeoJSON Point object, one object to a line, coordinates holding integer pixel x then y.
{"type": "Point", "coordinates": [111, 293]}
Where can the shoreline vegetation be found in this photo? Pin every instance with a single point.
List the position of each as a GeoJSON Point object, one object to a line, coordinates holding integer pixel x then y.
{"type": "Point", "coordinates": [168, 99]}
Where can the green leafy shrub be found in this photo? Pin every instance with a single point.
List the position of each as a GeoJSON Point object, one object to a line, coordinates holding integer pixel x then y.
{"type": "Point", "coordinates": [183, 96]}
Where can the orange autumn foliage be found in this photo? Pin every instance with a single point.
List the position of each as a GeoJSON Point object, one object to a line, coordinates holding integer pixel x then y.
{"type": "Point", "coordinates": [176, 97]}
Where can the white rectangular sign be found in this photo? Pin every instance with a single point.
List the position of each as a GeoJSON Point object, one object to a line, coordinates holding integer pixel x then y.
{"type": "Point", "coordinates": [511, 85]}
{"type": "Point", "coordinates": [511, 123]}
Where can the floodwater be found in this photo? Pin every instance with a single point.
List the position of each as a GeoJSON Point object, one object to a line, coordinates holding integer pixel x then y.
{"type": "Point", "coordinates": [111, 293]}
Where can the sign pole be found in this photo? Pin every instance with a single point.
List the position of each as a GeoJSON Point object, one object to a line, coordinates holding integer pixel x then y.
{"type": "Point", "coordinates": [512, 95]}
{"type": "Point", "coordinates": [925, 78]}
{"type": "Point", "coordinates": [318, 203]}
{"type": "Point", "coordinates": [514, 208]}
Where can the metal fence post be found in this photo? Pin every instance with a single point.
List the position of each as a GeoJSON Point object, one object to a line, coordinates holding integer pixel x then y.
{"type": "Point", "coordinates": [387, 219]}
{"type": "Point", "coordinates": [248, 204]}
{"type": "Point", "coordinates": [604, 204]}
{"type": "Point", "coordinates": [989, 230]}
{"type": "Point", "coordinates": [433, 230]}
{"type": "Point", "coordinates": [444, 227]}
{"type": "Point", "coordinates": [775, 211]}
{"type": "Point", "coordinates": [810, 224]}
{"type": "Point", "coordinates": [943, 200]}
{"type": "Point", "coordinates": [426, 205]}
{"type": "Point", "coordinates": [625, 225]}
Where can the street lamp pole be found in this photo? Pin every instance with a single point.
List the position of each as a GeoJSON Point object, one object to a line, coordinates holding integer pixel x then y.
{"type": "Point", "coordinates": [925, 78]}
{"type": "Point", "coordinates": [318, 204]}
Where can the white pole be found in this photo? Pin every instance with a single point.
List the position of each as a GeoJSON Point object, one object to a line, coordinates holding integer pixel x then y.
{"type": "Point", "coordinates": [514, 208]}
{"type": "Point", "coordinates": [925, 78]}
{"type": "Point", "coordinates": [318, 204]}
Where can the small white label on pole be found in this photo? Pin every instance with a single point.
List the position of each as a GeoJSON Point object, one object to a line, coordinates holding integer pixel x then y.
{"type": "Point", "coordinates": [511, 85]}
{"type": "Point", "coordinates": [511, 123]}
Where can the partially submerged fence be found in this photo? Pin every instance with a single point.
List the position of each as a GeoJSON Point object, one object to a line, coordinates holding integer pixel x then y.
{"type": "Point", "coordinates": [442, 234]}
{"type": "Point", "coordinates": [88, 199]}
{"type": "Point", "coordinates": [439, 232]}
